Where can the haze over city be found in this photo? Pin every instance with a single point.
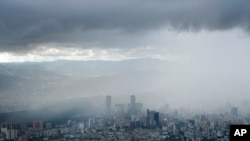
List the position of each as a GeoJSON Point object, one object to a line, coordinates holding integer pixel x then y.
{"type": "Point", "coordinates": [107, 70]}
{"type": "Point", "coordinates": [183, 53]}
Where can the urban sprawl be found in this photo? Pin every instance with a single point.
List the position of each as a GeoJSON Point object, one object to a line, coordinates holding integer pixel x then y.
{"type": "Point", "coordinates": [128, 122]}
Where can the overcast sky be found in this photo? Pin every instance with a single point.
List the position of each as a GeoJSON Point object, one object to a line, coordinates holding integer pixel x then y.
{"type": "Point", "coordinates": [208, 40]}
{"type": "Point", "coordinates": [116, 30]}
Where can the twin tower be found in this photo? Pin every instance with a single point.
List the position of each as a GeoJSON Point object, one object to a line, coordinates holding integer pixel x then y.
{"type": "Point", "coordinates": [132, 107]}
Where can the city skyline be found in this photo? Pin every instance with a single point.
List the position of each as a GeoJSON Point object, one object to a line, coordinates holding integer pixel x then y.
{"type": "Point", "coordinates": [188, 54]}
{"type": "Point", "coordinates": [123, 70]}
{"type": "Point", "coordinates": [147, 124]}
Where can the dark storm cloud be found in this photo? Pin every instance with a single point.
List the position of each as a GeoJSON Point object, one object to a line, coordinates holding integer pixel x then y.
{"type": "Point", "coordinates": [25, 22]}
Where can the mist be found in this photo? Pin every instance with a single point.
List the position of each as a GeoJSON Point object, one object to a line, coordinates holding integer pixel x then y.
{"type": "Point", "coordinates": [193, 54]}
{"type": "Point", "coordinates": [154, 82]}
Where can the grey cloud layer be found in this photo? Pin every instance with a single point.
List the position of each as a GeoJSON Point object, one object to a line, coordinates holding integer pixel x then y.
{"type": "Point", "coordinates": [26, 22]}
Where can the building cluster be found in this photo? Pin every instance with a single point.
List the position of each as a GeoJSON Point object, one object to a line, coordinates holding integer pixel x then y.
{"type": "Point", "coordinates": [125, 123]}
{"type": "Point", "coordinates": [121, 109]}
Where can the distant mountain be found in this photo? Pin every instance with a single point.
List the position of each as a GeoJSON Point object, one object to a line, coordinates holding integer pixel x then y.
{"type": "Point", "coordinates": [100, 68]}
{"type": "Point", "coordinates": [40, 83]}
{"type": "Point", "coordinates": [56, 111]}
{"type": "Point", "coordinates": [15, 76]}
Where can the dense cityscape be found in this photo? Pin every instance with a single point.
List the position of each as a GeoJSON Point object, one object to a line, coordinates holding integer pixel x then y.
{"type": "Point", "coordinates": [124, 70]}
{"type": "Point", "coordinates": [125, 122]}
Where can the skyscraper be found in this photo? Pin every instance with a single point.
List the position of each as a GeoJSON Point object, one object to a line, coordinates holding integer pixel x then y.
{"type": "Point", "coordinates": [234, 111]}
{"type": "Point", "coordinates": [108, 104]}
{"type": "Point", "coordinates": [132, 99]}
{"type": "Point", "coordinates": [132, 108]}
{"type": "Point", "coordinates": [156, 118]}
{"type": "Point", "coordinates": [153, 118]}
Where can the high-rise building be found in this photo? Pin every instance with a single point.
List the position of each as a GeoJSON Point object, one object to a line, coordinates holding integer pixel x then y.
{"type": "Point", "coordinates": [37, 124]}
{"type": "Point", "coordinates": [120, 109]}
{"type": "Point", "coordinates": [11, 134]}
{"type": "Point", "coordinates": [153, 118]}
{"type": "Point", "coordinates": [157, 118]}
{"type": "Point", "coordinates": [132, 99]}
{"type": "Point", "coordinates": [108, 104]}
{"type": "Point", "coordinates": [132, 105]}
{"type": "Point", "coordinates": [234, 111]}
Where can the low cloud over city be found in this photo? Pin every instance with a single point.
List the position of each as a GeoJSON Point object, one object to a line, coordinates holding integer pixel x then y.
{"type": "Point", "coordinates": [66, 60]}
{"type": "Point", "coordinates": [123, 70]}
{"type": "Point", "coordinates": [201, 47]}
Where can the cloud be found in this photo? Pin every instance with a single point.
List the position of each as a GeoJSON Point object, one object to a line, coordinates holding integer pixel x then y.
{"type": "Point", "coordinates": [111, 23]}
{"type": "Point", "coordinates": [52, 52]}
